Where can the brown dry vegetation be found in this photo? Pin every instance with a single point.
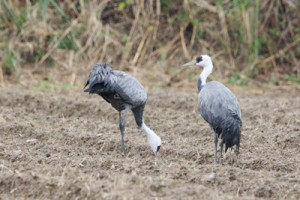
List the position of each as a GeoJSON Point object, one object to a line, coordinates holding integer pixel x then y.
{"type": "Point", "coordinates": [247, 39]}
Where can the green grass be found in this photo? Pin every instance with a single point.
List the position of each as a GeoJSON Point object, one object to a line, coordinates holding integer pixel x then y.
{"type": "Point", "coordinates": [15, 17]}
{"type": "Point", "coordinates": [237, 79]}
{"type": "Point", "coordinates": [45, 86]}
{"type": "Point", "coordinates": [10, 64]}
{"type": "Point", "coordinates": [292, 78]}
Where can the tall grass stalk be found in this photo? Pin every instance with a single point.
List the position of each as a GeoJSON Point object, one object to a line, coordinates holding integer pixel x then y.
{"type": "Point", "coordinates": [152, 36]}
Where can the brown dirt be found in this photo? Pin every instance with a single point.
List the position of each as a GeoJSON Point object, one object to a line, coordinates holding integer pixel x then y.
{"type": "Point", "coordinates": [66, 146]}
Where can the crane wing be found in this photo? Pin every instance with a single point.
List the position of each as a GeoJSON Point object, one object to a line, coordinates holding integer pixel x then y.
{"type": "Point", "coordinates": [129, 89]}
{"type": "Point", "coordinates": [116, 87]}
{"type": "Point", "coordinates": [216, 102]}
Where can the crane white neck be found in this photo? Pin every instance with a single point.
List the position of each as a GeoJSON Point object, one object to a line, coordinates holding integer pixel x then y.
{"type": "Point", "coordinates": [207, 69]}
{"type": "Point", "coordinates": [153, 139]}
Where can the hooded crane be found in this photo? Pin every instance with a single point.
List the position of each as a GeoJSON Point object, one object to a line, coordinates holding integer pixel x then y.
{"type": "Point", "coordinates": [124, 93]}
{"type": "Point", "coordinates": [219, 107]}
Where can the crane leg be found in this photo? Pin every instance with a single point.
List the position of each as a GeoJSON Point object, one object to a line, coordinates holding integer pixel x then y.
{"type": "Point", "coordinates": [122, 123]}
{"type": "Point", "coordinates": [216, 146]}
{"type": "Point", "coordinates": [237, 154]}
{"type": "Point", "coordinates": [221, 150]}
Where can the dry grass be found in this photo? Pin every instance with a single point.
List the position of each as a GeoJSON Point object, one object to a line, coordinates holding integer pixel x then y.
{"type": "Point", "coordinates": [250, 39]}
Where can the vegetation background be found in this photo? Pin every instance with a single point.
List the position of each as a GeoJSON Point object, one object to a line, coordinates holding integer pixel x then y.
{"type": "Point", "coordinates": [51, 45]}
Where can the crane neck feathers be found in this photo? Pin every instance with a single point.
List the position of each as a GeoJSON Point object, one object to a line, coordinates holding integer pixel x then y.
{"type": "Point", "coordinates": [207, 69]}
{"type": "Point", "coordinates": [153, 139]}
{"type": "Point", "coordinates": [199, 84]}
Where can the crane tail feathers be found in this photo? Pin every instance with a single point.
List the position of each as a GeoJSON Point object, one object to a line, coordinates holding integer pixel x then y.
{"type": "Point", "coordinates": [231, 132]}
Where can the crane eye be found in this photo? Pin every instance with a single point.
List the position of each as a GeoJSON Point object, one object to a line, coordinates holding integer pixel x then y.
{"type": "Point", "coordinates": [198, 59]}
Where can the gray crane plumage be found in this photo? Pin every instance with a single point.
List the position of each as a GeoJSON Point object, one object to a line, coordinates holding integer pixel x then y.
{"type": "Point", "coordinates": [116, 87]}
{"type": "Point", "coordinates": [124, 93]}
{"type": "Point", "coordinates": [219, 107]}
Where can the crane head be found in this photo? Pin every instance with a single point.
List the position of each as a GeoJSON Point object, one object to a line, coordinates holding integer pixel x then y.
{"type": "Point", "coordinates": [202, 61]}
{"type": "Point", "coordinates": [153, 139]}
{"type": "Point", "coordinates": [155, 143]}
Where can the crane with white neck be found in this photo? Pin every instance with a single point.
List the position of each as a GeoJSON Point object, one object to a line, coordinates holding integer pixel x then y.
{"type": "Point", "coordinates": [124, 93]}
{"type": "Point", "coordinates": [219, 107]}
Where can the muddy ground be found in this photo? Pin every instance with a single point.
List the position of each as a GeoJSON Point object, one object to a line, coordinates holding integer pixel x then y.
{"type": "Point", "coordinates": [67, 146]}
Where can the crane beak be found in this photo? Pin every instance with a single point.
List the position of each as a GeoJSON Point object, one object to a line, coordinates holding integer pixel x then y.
{"type": "Point", "coordinates": [193, 62]}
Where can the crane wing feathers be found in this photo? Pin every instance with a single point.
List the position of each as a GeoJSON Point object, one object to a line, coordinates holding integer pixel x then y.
{"type": "Point", "coordinates": [115, 86]}
{"type": "Point", "coordinates": [129, 89]}
{"type": "Point", "coordinates": [216, 102]}
{"type": "Point", "coordinates": [99, 78]}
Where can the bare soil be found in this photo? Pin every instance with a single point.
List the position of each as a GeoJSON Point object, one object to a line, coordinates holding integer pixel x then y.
{"type": "Point", "coordinates": [67, 146]}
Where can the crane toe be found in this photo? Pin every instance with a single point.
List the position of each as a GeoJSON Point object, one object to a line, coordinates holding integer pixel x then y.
{"type": "Point", "coordinates": [123, 149]}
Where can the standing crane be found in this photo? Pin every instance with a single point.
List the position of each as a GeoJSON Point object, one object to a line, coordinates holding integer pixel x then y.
{"type": "Point", "coordinates": [124, 93]}
{"type": "Point", "coordinates": [219, 107]}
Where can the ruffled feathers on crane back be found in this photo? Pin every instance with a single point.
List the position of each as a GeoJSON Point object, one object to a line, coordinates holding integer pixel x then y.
{"type": "Point", "coordinates": [116, 87]}
{"type": "Point", "coordinates": [98, 78]}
